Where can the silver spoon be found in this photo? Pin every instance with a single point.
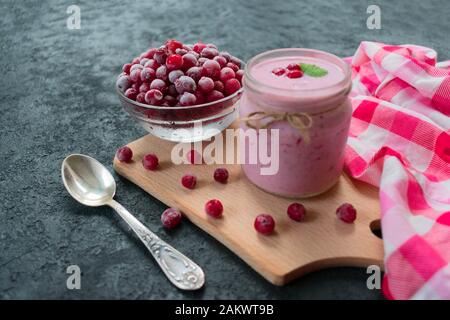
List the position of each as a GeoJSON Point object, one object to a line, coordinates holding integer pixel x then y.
{"type": "Point", "coordinates": [91, 184]}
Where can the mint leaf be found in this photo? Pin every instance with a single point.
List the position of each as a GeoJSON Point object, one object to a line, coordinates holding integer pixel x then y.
{"type": "Point", "coordinates": [313, 70]}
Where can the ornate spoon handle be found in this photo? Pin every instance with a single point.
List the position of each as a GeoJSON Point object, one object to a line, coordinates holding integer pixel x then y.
{"type": "Point", "coordinates": [181, 271]}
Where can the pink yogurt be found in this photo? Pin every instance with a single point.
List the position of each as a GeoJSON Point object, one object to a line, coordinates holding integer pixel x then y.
{"type": "Point", "coordinates": [305, 168]}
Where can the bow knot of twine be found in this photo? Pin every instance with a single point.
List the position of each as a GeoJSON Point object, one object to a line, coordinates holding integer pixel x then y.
{"type": "Point", "coordinates": [300, 121]}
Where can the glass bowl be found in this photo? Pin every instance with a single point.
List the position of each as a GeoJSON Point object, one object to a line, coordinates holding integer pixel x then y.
{"type": "Point", "coordinates": [184, 124]}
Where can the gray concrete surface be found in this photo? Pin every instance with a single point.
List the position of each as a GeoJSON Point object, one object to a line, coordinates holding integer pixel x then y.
{"type": "Point", "coordinates": [57, 97]}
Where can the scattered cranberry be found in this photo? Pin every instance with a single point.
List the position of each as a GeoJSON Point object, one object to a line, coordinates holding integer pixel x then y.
{"type": "Point", "coordinates": [148, 74]}
{"type": "Point", "coordinates": [214, 96]}
{"type": "Point", "coordinates": [126, 68]}
{"type": "Point", "coordinates": [174, 75]}
{"type": "Point", "coordinates": [278, 71]}
{"type": "Point", "coordinates": [131, 94]}
{"type": "Point", "coordinates": [294, 74]}
{"type": "Point", "coordinates": [124, 154]}
{"type": "Point", "coordinates": [154, 97]}
{"type": "Point", "coordinates": [198, 47]}
{"type": "Point", "coordinates": [174, 61]}
{"type": "Point", "coordinates": [221, 175]}
{"type": "Point", "coordinates": [293, 66]}
{"type": "Point", "coordinates": [296, 211]}
{"type": "Point", "coordinates": [346, 213]}
{"type": "Point", "coordinates": [172, 45]}
{"type": "Point", "coordinates": [150, 162]}
{"type": "Point", "coordinates": [185, 84]}
{"type": "Point", "coordinates": [231, 86]}
{"type": "Point", "coordinates": [188, 99]}
{"type": "Point", "coordinates": [189, 181]}
{"type": "Point", "coordinates": [194, 157]}
{"type": "Point", "coordinates": [214, 208]}
{"type": "Point", "coordinates": [264, 224]}
{"type": "Point", "coordinates": [206, 84]}
{"type": "Point", "coordinates": [171, 218]}
{"type": "Point", "coordinates": [226, 74]}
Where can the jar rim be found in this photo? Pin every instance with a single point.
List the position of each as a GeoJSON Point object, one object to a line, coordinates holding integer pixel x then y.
{"type": "Point", "coordinates": [248, 77]}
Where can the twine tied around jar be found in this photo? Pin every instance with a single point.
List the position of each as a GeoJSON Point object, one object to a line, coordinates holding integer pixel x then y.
{"type": "Point", "coordinates": [300, 121]}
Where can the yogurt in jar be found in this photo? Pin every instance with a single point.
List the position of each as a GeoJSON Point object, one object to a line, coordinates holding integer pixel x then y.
{"type": "Point", "coordinates": [312, 113]}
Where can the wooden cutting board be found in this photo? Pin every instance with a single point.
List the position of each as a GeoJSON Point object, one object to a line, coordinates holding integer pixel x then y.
{"type": "Point", "coordinates": [295, 248]}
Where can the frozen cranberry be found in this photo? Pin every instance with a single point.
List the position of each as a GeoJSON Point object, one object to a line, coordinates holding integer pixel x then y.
{"type": "Point", "coordinates": [152, 64]}
{"type": "Point", "coordinates": [154, 97]}
{"type": "Point", "coordinates": [159, 85]}
{"type": "Point", "coordinates": [181, 51]}
{"type": "Point", "coordinates": [171, 218]}
{"type": "Point", "coordinates": [264, 224]}
{"type": "Point", "coordinates": [233, 66]}
{"type": "Point", "coordinates": [226, 74]}
{"type": "Point", "coordinates": [200, 96]}
{"type": "Point", "coordinates": [148, 74]}
{"type": "Point", "coordinates": [143, 61]}
{"type": "Point", "coordinates": [185, 84]}
{"type": "Point", "coordinates": [161, 73]}
{"type": "Point", "coordinates": [221, 175]}
{"type": "Point", "coordinates": [231, 86]}
{"type": "Point", "coordinates": [126, 68]}
{"type": "Point", "coordinates": [294, 74]}
{"type": "Point", "coordinates": [296, 211]}
{"type": "Point", "coordinates": [123, 83]}
{"type": "Point", "coordinates": [136, 86]}
{"type": "Point", "coordinates": [214, 96]}
{"type": "Point", "coordinates": [201, 61]}
{"type": "Point", "coordinates": [124, 154]}
{"type": "Point", "coordinates": [172, 45]}
{"type": "Point", "coordinates": [144, 87]}
{"type": "Point", "coordinates": [170, 101]}
{"type": "Point", "coordinates": [188, 99]}
{"type": "Point", "coordinates": [195, 73]}
{"type": "Point", "coordinates": [135, 75]}
{"type": "Point", "coordinates": [189, 61]}
{"type": "Point", "coordinates": [211, 45]}
{"type": "Point", "coordinates": [150, 162]}
{"type": "Point", "coordinates": [172, 91]}
{"type": "Point", "coordinates": [221, 60]}
{"type": "Point", "coordinates": [174, 61]}
{"type": "Point", "coordinates": [346, 213]}
{"type": "Point", "coordinates": [235, 61]}
{"type": "Point", "coordinates": [198, 47]}
{"type": "Point", "coordinates": [160, 56]}
{"type": "Point", "coordinates": [209, 53]}
{"type": "Point", "coordinates": [240, 75]}
{"type": "Point", "coordinates": [211, 69]}
{"type": "Point", "coordinates": [149, 53]}
{"type": "Point", "coordinates": [194, 157]}
{"type": "Point", "coordinates": [293, 66]}
{"type": "Point", "coordinates": [214, 208]}
{"type": "Point", "coordinates": [279, 71]}
{"type": "Point", "coordinates": [174, 75]}
{"type": "Point", "coordinates": [218, 85]}
{"type": "Point", "coordinates": [189, 181]}
{"type": "Point", "coordinates": [135, 60]}
{"type": "Point", "coordinates": [141, 97]}
{"type": "Point", "coordinates": [226, 55]}
{"type": "Point", "coordinates": [136, 66]}
{"type": "Point", "coordinates": [206, 84]}
{"type": "Point", "coordinates": [131, 94]}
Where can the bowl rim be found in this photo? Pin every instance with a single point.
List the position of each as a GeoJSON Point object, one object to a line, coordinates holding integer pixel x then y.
{"type": "Point", "coordinates": [203, 105]}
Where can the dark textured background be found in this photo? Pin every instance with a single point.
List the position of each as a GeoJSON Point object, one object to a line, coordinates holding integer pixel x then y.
{"type": "Point", "coordinates": [57, 97]}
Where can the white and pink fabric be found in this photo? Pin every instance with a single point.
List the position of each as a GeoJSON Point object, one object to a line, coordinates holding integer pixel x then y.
{"type": "Point", "coordinates": [400, 141]}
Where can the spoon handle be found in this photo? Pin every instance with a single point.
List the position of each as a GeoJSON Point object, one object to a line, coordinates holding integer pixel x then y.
{"type": "Point", "coordinates": [181, 271]}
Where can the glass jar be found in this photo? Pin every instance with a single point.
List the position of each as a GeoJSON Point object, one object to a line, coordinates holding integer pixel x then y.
{"type": "Point", "coordinates": [312, 114]}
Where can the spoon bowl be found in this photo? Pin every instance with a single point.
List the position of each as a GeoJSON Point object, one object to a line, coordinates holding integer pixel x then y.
{"type": "Point", "coordinates": [87, 180]}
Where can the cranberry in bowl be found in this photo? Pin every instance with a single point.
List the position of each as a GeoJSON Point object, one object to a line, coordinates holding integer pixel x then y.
{"type": "Point", "coordinates": [182, 93]}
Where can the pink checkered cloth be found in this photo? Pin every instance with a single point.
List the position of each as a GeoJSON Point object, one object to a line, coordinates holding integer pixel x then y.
{"type": "Point", "coordinates": [400, 141]}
